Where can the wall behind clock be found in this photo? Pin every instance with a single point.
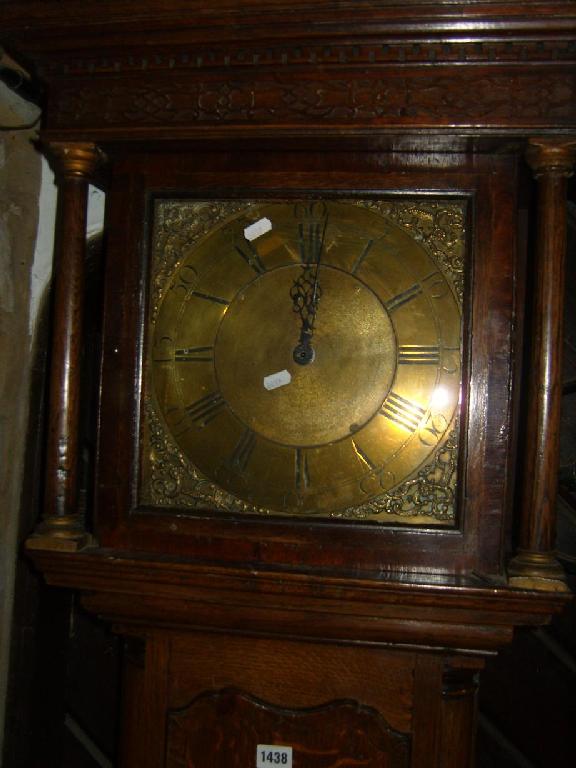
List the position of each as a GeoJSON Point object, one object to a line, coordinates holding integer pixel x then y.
{"type": "Point", "coordinates": [20, 181]}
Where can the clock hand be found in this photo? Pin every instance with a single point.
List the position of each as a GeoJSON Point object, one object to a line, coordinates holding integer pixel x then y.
{"type": "Point", "coordinates": [305, 293]}
{"type": "Point", "coordinates": [302, 292]}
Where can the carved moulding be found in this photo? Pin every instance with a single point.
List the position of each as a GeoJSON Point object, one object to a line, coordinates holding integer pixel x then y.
{"type": "Point", "coordinates": [384, 99]}
{"type": "Point", "coordinates": [169, 480]}
{"type": "Point", "coordinates": [250, 56]}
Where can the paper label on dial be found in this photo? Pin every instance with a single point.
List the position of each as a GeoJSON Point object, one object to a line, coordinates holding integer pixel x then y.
{"type": "Point", "coordinates": [276, 380]}
{"type": "Point", "coordinates": [258, 229]}
{"type": "Point", "coordinates": [268, 755]}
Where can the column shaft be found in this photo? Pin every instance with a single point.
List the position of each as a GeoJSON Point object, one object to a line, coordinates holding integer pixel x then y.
{"type": "Point", "coordinates": [535, 565]}
{"type": "Point", "coordinates": [62, 526]}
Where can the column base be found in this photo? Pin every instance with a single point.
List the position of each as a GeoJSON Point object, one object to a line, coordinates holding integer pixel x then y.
{"type": "Point", "coordinates": [64, 533]}
{"type": "Point", "coordinates": [537, 570]}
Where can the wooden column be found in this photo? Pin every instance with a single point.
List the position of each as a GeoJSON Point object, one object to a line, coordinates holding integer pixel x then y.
{"type": "Point", "coordinates": [535, 566]}
{"type": "Point", "coordinates": [62, 525]}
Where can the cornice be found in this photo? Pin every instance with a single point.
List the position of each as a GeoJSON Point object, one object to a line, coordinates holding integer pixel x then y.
{"type": "Point", "coordinates": [70, 19]}
{"type": "Point", "coordinates": [161, 66]}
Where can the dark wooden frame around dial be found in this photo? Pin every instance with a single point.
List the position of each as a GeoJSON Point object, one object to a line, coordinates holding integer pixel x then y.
{"type": "Point", "coordinates": [489, 183]}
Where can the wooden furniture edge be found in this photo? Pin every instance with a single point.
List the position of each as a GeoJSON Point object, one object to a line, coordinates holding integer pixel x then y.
{"type": "Point", "coordinates": [419, 612]}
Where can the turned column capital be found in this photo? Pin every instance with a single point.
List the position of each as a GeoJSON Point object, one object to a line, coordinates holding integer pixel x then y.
{"type": "Point", "coordinates": [552, 156]}
{"type": "Point", "coordinates": [75, 160]}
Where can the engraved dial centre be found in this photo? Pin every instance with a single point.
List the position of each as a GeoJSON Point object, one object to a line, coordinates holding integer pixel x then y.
{"type": "Point", "coordinates": [352, 371]}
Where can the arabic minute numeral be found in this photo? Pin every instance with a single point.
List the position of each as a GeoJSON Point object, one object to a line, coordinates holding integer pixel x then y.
{"type": "Point", "coordinates": [185, 280]}
{"type": "Point", "coordinates": [162, 350]}
{"type": "Point", "coordinates": [310, 209]}
{"type": "Point", "coordinates": [432, 430]}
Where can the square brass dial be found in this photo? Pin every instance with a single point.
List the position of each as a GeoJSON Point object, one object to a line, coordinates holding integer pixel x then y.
{"type": "Point", "coordinates": [304, 358]}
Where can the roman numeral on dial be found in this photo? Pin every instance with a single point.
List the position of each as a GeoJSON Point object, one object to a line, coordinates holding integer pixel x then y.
{"type": "Point", "coordinates": [404, 297]}
{"type": "Point", "coordinates": [301, 473]}
{"type": "Point", "coordinates": [243, 451]}
{"type": "Point", "coordinates": [207, 408]}
{"type": "Point", "coordinates": [310, 240]}
{"type": "Point", "coordinates": [194, 355]}
{"type": "Point", "coordinates": [417, 354]}
{"type": "Point", "coordinates": [362, 256]}
{"type": "Point", "coordinates": [403, 412]}
{"type": "Point", "coordinates": [436, 286]}
{"type": "Point", "coordinates": [364, 456]}
{"type": "Point", "coordinates": [251, 256]}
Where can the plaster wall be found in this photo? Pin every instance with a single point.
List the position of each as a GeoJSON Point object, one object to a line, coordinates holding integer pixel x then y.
{"type": "Point", "coordinates": [20, 181]}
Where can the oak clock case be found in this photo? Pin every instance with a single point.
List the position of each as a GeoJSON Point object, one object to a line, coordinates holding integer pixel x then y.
{"type": "Point", "coordinates": [304, 358]}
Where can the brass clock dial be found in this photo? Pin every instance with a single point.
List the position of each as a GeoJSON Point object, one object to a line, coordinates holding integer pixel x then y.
{"type": "Point", "coordinates": [306, 356]}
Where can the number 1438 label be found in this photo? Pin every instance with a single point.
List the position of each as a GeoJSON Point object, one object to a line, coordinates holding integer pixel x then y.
{"type": "Point", "coordinates": [268, 755]}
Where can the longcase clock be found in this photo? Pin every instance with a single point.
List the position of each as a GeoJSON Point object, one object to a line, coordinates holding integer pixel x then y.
{"type": "Point", "coordinates": [312, 516]}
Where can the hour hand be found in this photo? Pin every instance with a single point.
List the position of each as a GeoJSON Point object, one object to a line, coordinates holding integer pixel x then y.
{"type": "Point", "coordinates": [305, 293]}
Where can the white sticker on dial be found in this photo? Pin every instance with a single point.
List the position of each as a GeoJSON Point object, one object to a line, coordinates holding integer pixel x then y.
{"type": "Point", "coordinates": [276, 380]}
{"type": "Point", "coordinates": [258, 229]}
{"type": "Point", "coordinates": [268, 755]}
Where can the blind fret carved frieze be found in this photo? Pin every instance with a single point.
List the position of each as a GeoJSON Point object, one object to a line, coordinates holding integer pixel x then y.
{"type": "Point", "coordinates": [415, 98]}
